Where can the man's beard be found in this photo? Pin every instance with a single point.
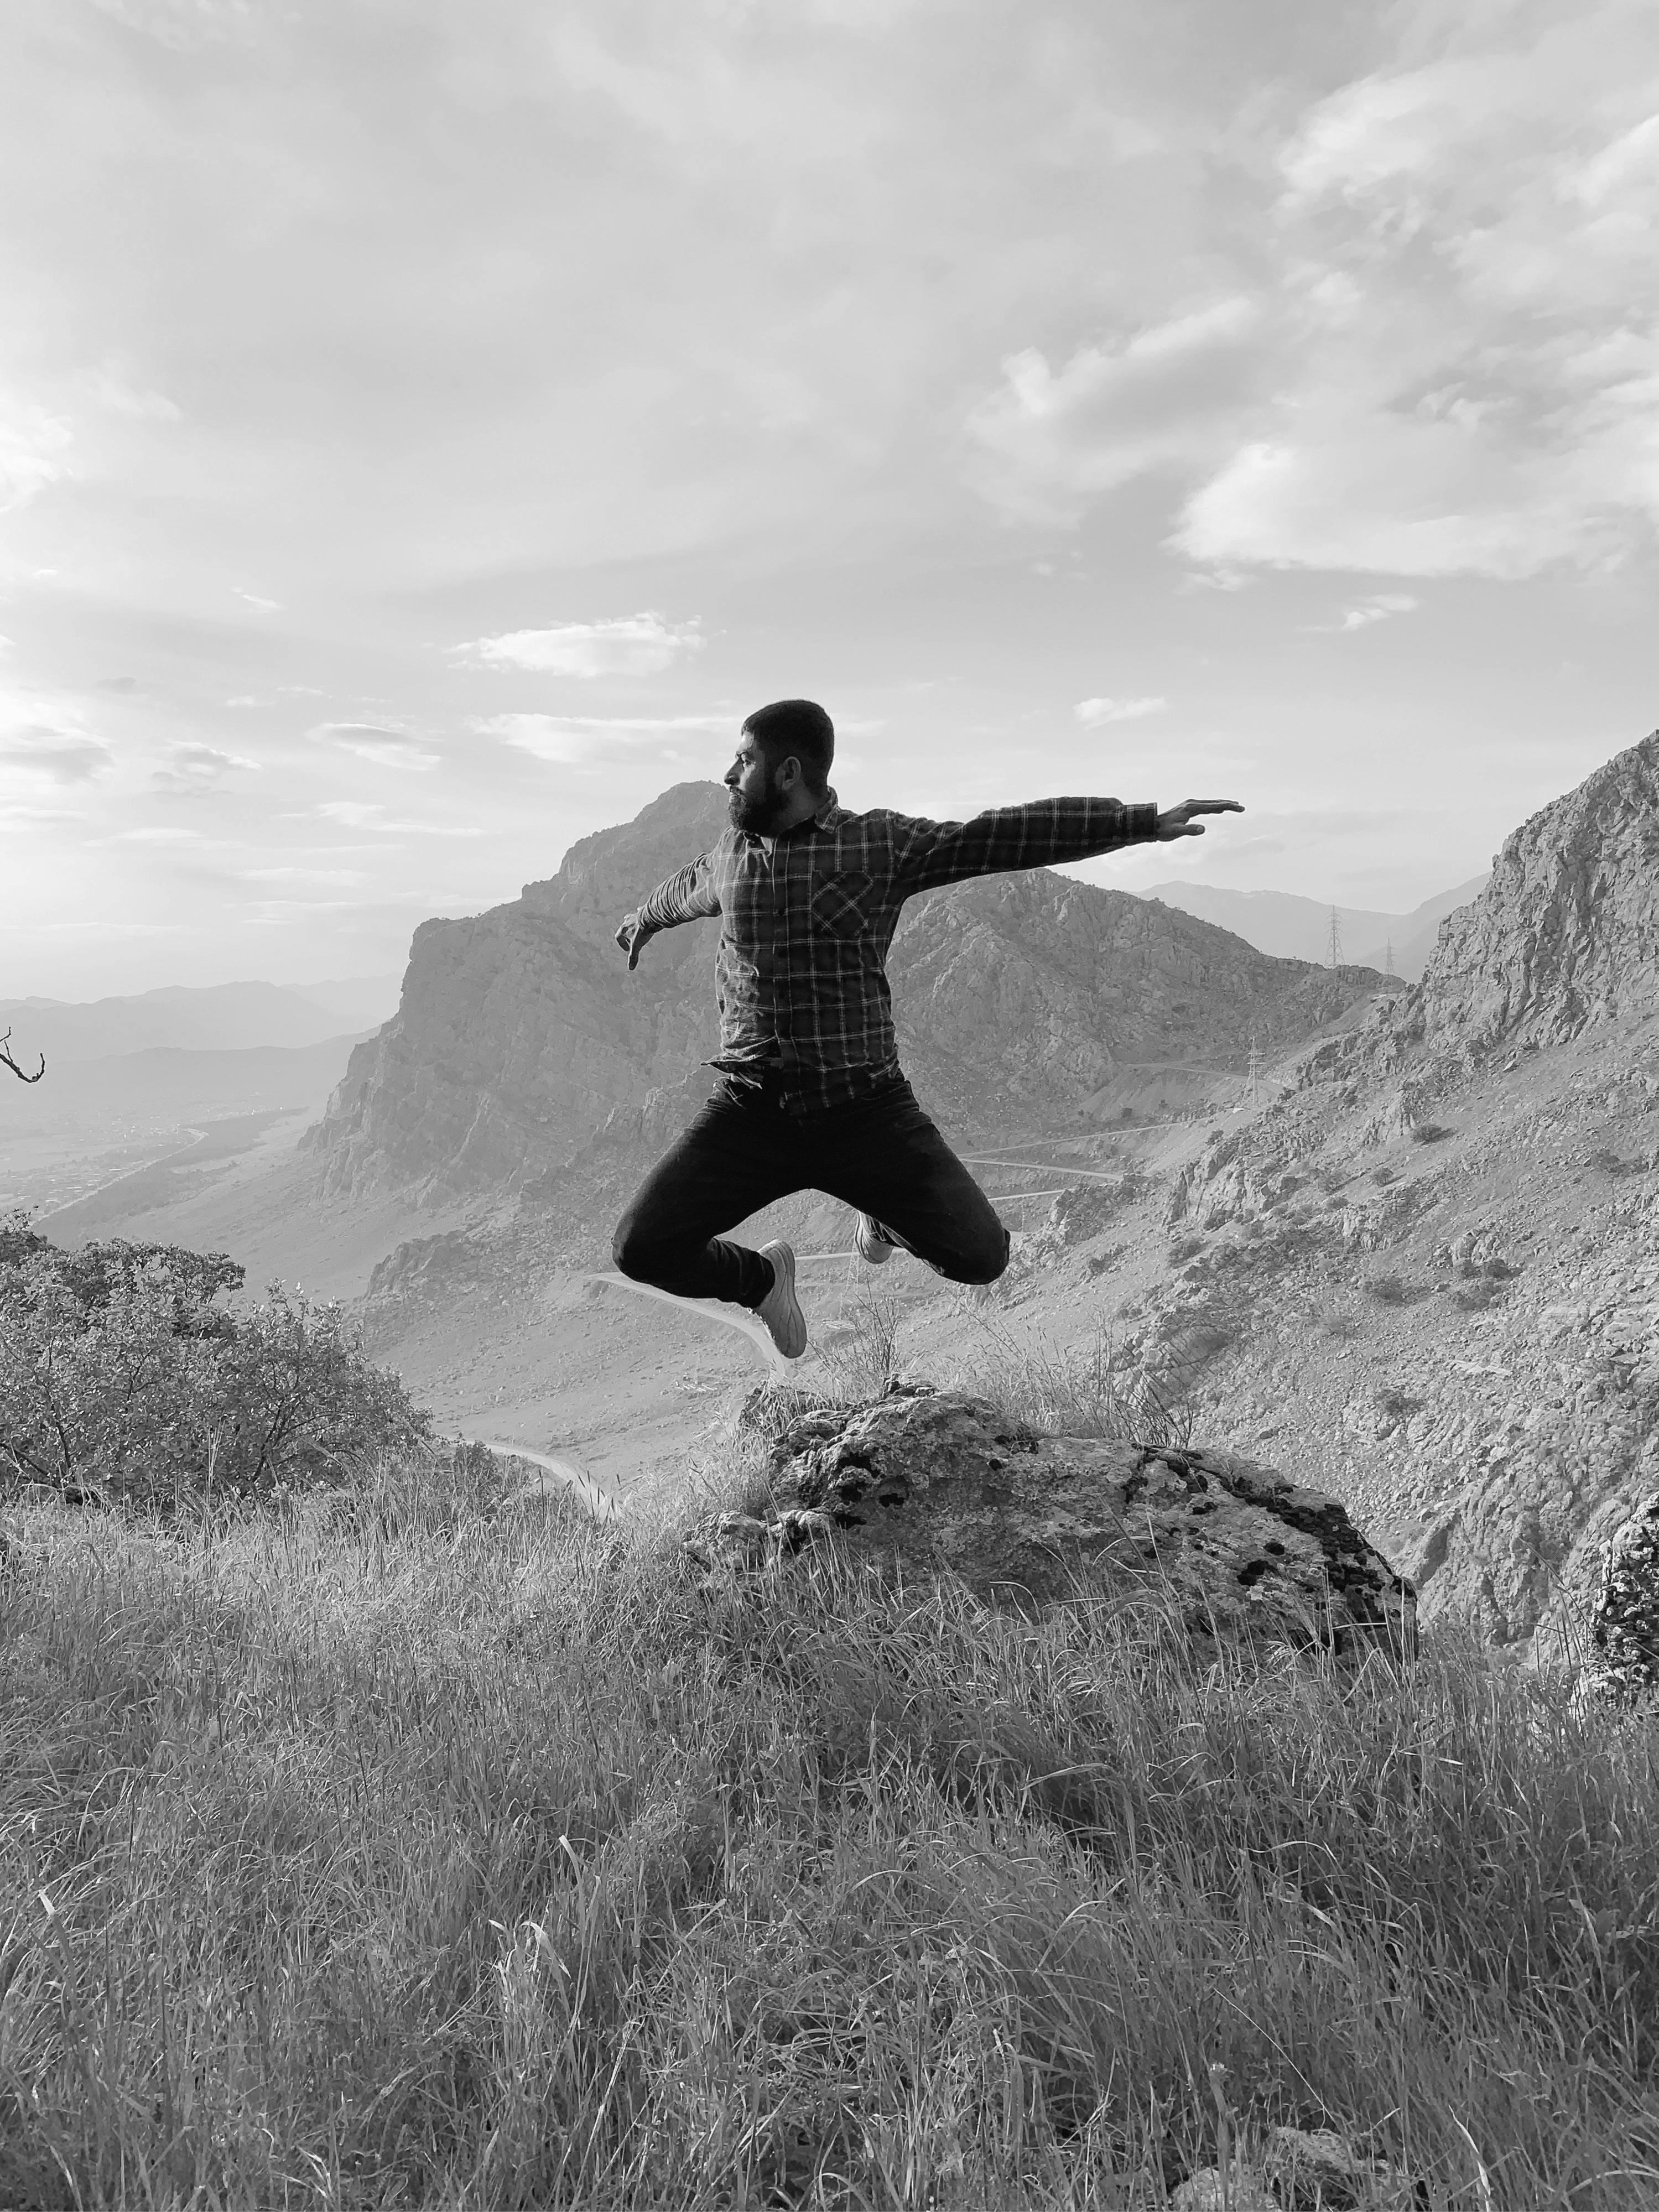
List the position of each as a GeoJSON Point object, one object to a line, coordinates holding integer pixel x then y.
{"type": "Point", "coordinates": [756, 818]}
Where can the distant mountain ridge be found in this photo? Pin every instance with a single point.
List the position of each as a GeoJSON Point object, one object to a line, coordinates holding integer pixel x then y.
{"type": "Point", "coordinates": [174, 1083]}
{"type": "Point", "coordinates": [1293, 928]}
{"type": "Point", "coordinates": [213, 1018]}
{"type": "Point", "coordinates": [520, 1031]}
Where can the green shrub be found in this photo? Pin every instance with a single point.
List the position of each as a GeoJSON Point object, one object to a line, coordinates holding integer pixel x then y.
{"type": "Point", "coordinates": [121, 1377]}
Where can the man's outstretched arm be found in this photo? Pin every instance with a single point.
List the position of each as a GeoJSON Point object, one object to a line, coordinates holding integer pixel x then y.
{"type": "Point", "coordinates": [1005, 838]}
{"type": "Point", "coordinates": [689, 895]}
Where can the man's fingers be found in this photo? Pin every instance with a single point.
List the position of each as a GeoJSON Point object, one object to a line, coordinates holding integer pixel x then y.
{"type": "Point", "coordinates": [1212, 806]}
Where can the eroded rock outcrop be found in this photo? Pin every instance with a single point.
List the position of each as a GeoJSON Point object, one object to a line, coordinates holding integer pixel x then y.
{"type": "Point", "coordinates": [1567, 932]}
{"type": "Point", "coordinates": [942, 1483]}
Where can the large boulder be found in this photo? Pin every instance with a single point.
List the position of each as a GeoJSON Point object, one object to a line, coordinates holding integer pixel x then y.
{"type": "Point", "coordinates": [943, 1482]}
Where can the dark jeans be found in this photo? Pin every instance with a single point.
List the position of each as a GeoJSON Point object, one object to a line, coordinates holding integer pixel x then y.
{"type": "Point", "coordinates": [881, 1155]}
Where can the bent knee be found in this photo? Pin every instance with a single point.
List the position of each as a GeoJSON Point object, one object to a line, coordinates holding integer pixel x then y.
{"type": "Point", "coordinates": [981, 1261]}
{"type": "Point", "coordinates": [631, 1252]}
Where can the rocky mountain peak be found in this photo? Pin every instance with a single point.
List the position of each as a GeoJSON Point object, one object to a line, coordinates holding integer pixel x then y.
{"type": "Point", "coordinates": [1567, 932]}
{"type": "Point", "coordinates": [603, 876]}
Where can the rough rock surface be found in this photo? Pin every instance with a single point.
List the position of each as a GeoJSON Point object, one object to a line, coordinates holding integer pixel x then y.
{"type": "Point", "coordinates": [1567, 932]}
{"type": "Point", "coordinates": [943, 1483]}
{"type": "Point", "coordinates": [1464, 1188]}
{"type": "Point", "coordinates": [1625, 1624]}
{"type": "Point", "coordinates": [520, 1032]}
{"type": "Point", "coordinates": [515, 1037]}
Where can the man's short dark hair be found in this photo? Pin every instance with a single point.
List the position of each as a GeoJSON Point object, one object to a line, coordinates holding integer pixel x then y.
{"type": "Point", "coordinates": [799, 726]}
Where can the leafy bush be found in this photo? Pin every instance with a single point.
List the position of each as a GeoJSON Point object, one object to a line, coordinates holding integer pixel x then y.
{"type": "Point", "coordinates": [1431, 1133]}
{"type": "Point", "coordinates": [122, 1377]}
{"type": "Point", "coordinates": [1394, 1404]}
{"type": "Point", "coordinates": [1099, 1262]}
{"type": "Point", "coordinates": [1475, 1296]}
{"type": "Point", "coordinates": [1390, 1290]}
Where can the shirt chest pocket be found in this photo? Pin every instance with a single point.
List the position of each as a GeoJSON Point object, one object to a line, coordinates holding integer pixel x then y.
{"type": "Point", "coordinates": [841, 905]}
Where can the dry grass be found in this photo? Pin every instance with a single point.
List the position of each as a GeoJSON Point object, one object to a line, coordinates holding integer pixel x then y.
{"type": "Point", "coordinates": [1074, 1390]}
{"type": "Point", "coordinates": [438, 1852]}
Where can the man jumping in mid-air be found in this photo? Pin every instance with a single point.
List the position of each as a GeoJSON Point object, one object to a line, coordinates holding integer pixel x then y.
{"type": "Point", "coordinates": [810, 1094]}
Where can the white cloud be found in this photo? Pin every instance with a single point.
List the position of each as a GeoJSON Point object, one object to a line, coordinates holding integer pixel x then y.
{"type": "Point", "coordinates": [116, 393]}
{"type": "Point", "coordinates": [1469, 381]}
{"type": "Point", "coordinates": [632, 645]}
{"type": "Point", "coordinates": [1378, 608]}
{"type": "Point", "coordinates": [35, 449]}
{"type": "Point", "coordinates": [1444, 357]}
{"type": "Point", "coordinates": [356, 814]}
{"type": "Point", "coordinates": [385, 748]}
{"type": "Point", "coordinates": [296, 875]}
{"type": "Point", "coordinates": [260, 607]}
{"type": "Point", "coordinates": [1168, 396]}
{"type": "Point", "coordinates": [47, 753]}
{"type": "Point", "coordinates": [1093, 714]}
{"type": "Point", "coordinates": [165, 835]}
{"type": "Point", "coordinates": [571, 740]}
{"type": "Point", "coordinates": [200, 768]}
{"type": "Point", "coordinates": [180, 23]}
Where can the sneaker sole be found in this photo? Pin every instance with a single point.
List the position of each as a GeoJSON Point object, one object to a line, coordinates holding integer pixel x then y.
{"type": "Point", "coordinates": [786, 1325]}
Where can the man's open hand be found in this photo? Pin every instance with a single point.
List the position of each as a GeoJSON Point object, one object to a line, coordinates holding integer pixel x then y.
{"type": "Point", "coordinates": [1179, 822]}
{"type": "Point", "coordinates": [631, 935]}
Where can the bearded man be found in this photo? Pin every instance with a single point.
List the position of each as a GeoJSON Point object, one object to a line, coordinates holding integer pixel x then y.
{"type": "Point", "coordinates": [810, 1094]}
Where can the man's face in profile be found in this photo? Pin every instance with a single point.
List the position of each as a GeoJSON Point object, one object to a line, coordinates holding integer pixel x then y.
{"type": "Point", "coordinates": [752, 802]}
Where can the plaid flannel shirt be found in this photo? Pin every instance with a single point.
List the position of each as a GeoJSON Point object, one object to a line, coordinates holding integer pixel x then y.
{"type": "Point", "coordinates": [807, 919]}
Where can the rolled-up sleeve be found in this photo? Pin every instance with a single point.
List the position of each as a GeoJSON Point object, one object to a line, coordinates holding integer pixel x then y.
{"type": "Point", "coordinates": [689, 895]}
{"type": "Point", "coordinates": [1009, 837]}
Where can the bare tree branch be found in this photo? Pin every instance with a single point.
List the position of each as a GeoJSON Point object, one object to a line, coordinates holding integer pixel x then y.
{"type": "Point", "coordinates": [6, 1058]}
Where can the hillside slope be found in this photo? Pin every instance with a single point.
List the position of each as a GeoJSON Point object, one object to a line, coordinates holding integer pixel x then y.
{"type": "Point", "coordinates": [1436, 1262]}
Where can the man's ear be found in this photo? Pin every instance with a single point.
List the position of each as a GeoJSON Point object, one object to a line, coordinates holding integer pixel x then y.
{"type": "Point", "coordinates": [787, 775]}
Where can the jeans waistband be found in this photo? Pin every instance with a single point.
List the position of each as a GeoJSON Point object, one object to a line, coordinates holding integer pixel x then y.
{"type": "Point", "coordinates": [765, 1089]}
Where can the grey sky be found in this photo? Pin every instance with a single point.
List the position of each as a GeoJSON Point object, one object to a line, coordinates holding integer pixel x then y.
{"type": "Point", "coordinates": [425, 430]}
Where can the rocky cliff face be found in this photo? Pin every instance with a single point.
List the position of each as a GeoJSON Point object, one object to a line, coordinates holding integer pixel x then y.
{"type": "Point", "coordinates": [520, 1031]}
{"type": "Point", "coordinates": [1567, 932]}
{"type": "Point", "coordinates": [1021, 996]}
{"type": "Point", "coordinates": [1442, 1243]}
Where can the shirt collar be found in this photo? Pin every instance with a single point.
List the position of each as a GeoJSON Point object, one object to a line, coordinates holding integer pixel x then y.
{"type": "Point", "coordinates": [832, 805]}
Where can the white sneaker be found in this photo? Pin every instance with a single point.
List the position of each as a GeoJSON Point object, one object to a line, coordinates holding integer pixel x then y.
{"type": "Point", "coordinates": [786, 1324]}
{"type": "Point", "coordinates": [875, 1247]}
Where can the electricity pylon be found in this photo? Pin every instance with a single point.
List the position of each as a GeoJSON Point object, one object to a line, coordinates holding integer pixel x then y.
{"type": "Point", "coordinates": [1336, 939]}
